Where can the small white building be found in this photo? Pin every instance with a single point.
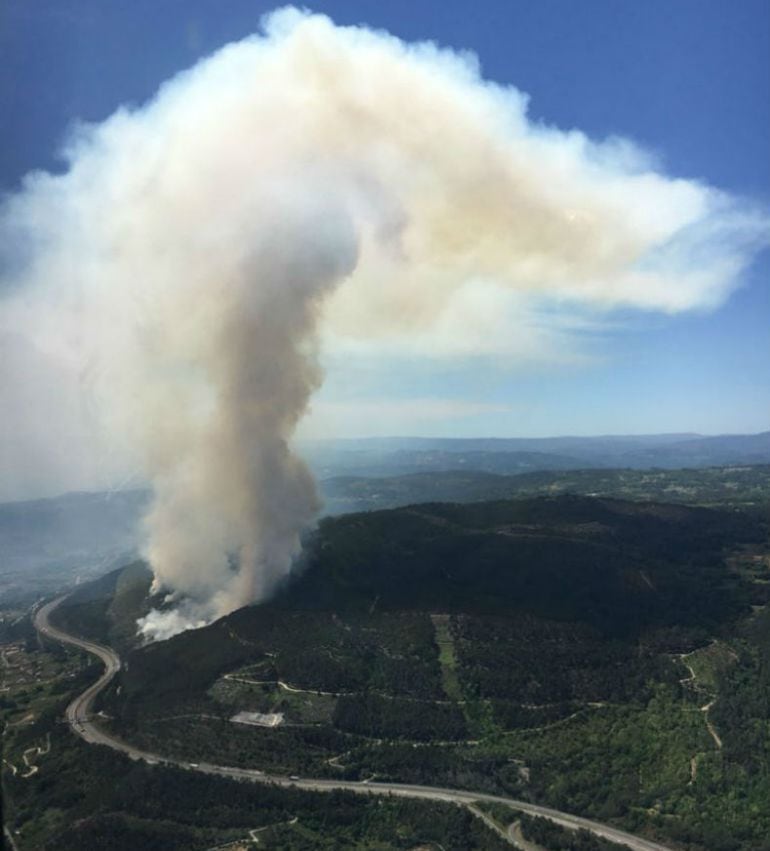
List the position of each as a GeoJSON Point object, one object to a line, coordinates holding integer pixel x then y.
{"type": "Point", "coordinates": [259, 719]}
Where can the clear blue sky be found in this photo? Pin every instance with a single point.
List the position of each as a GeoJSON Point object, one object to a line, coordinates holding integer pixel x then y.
{"type": "Point", "coordinates": [688, 79]}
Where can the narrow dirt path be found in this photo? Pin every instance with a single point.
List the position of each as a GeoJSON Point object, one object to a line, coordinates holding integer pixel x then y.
{"type": "Point", "coordinates": [515, 832]}
{"type": "Point", "coordinates": [693, 680]}
{"type": "Point", "coordinates": [709, 726]}
{"type": "Point", "coordinates": [492, 824]}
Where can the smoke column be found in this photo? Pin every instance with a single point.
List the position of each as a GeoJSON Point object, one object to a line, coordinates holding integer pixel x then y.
{"type": "Point", "coordinates": [317, 183]}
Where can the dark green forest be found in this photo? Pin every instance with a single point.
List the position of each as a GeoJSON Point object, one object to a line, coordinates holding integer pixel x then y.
{"type": "Point", "coordinates": [604, 657]}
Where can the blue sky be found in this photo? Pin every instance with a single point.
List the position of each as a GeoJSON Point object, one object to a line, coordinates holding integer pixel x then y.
{"type": "Point", "coordinates": [688, 80]}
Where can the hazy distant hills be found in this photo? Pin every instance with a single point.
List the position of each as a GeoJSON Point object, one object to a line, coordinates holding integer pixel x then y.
{"type": "Point", "coordinates": [398, 455]}
{"type": "Point", "coordinates": [429, 460]}
{"type": "Point", "coordinates": [737, 486]}
{"type": "Point", "coordinates": [48, 543]}
{"type": "Point", "coordinates": [705, 451]}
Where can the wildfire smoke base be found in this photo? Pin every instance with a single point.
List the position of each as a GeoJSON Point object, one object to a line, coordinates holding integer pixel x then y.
{"type": "Point", "coordinates": [319, 182]}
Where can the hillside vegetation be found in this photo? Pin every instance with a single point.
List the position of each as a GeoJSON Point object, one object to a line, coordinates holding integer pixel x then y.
{"type": "Point", "coordinates": [603, 656]}
{"type": "Point", "coordinates": [738, 486]}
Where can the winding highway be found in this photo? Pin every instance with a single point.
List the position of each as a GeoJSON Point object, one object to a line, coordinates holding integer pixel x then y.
{"type": "Point", "coordinates": [81, 721]}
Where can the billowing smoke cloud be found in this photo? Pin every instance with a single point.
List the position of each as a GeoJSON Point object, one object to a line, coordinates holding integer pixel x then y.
{"type": "Point", "coordinates": [319, 183]}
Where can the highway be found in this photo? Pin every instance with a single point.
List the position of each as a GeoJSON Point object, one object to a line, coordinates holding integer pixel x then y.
{"type": "Point", "coordinates": [81, 721]}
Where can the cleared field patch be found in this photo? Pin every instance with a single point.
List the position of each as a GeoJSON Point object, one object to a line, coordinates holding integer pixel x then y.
{"type": "Point", "coordinates": [304, 707]}
{"type": "Point", "coordinates": [708, 663]}
{"type": "Point", "coordinates": [447, 657]}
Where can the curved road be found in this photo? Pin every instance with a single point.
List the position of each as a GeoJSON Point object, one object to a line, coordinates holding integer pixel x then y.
{"type": "Point", "coordinates": [79, 718]}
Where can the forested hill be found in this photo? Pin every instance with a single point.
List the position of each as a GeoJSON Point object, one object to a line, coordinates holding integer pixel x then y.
{"type": "Point", "coordinates": [616, 564]}
{"type": "Point", "coordinates": [622, 569]}
{"type": "Point", "coordinates": [603, 656]}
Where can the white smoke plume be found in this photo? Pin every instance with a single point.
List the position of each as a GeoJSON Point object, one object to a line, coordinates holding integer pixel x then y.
{"type": "Point", "coordinates": [308, 184]}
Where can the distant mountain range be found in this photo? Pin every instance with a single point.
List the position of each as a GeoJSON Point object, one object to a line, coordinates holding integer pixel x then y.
{"type": "Point", "coordinates": [48, 543]}
{"type": "Point", "coordinates": [398, 455]}
{"type": "Point", "coordinates": [734, 486]}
